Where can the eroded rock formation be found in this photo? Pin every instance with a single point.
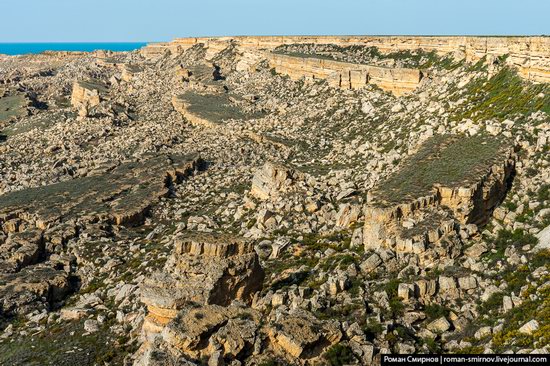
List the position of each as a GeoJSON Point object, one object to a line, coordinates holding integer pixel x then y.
{"type": "Point", "coordinates": [86, 95]}
{"type": "Point", "coordinates": [204, 269]}
{"type": "Point", "coordinates": [399, 81]}
{"type": "Point", "coordinates": [428, 205]}
{"type": "Point", "coordinates": [381, 224]}
{"type": "Point", "coordinates": [37, 223]}
{"type": "Point", "coordinates": [529, 54]}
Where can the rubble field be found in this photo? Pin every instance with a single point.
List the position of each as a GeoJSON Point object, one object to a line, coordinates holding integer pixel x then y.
{"type": "Point", "coordinates": [275, 201]}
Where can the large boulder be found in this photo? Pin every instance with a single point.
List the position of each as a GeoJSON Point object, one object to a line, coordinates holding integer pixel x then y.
{"type": "Point", "coordinates": [85, 95]}
{"type": "Point", "coordinates": [271, 180]}
{"type": "Point", "coordinates": [300, 336]}
{"type": "Point", "coordinates": [544, 239]}
{"type": "Point", "coordinates": [203, 269]}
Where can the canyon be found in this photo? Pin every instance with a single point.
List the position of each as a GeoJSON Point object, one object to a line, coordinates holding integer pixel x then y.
{"type": "Point", "coordinates": [292, 200]}
{"type": "Point", "coordinates": [529, 54]}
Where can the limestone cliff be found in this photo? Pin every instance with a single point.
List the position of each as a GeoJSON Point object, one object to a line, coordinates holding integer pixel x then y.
{"type": "Point", "coordinates": [429, 203]}
{"type": "Point", "coordinates": [531, 55]}
{"type": "Point", "coordinates": [346, 75]}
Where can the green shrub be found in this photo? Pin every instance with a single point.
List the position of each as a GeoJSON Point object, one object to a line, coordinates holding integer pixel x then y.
{"type": "Point", "coordinates": [436, 311]}
{"type": "Point", "coordinates": [391, 288]}
{"type": "Point", "coordinates": [432, 345]}
{"type": "Point", "coordinates": [541, 258]}
{"type": "Point", "coordinates": [339, 355]}
{"type": "Point", "coordinates": [493, 303]}
{"type": "Point", "coordinates": [372, 329]}
{"type": "Point", "coordinates": [396, 306]}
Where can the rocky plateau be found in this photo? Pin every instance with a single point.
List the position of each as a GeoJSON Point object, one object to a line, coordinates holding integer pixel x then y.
{"type": "Point", "coordinates": [264, 201]}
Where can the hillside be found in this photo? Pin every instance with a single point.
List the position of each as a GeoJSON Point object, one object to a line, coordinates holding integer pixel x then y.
{"type": "Point", "coordinates": [275, 201]}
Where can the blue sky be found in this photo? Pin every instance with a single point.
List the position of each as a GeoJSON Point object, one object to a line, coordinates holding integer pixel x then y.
{"type": "Point", "coordinates": [162, 20]}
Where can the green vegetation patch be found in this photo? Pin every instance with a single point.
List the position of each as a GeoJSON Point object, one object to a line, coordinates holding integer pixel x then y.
{"type": "Point", "coordinates": [125, 192]}
{"type": "Point", "coordinates": [449, 161]}
{"type": "Point", "coordinates": [418, 59]}
{"type": "Point", "coordinates": [436, 311]}
{"type": "Point", "coordinates": [503, 95]}
{"type": "Point", "coordinates": [216, 108]}
{"type": "Point", "coordinates": [64, 344]}
{"type": "Point", "coordinates": [12, 106]}
{"type": "Point", "coordinates": [339, 355]}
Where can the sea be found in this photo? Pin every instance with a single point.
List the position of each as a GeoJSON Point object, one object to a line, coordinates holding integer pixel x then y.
{"type": "Point", "coordinates": [26, 48]}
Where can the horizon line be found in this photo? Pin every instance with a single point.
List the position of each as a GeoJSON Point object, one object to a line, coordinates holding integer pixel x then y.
{"type": "Point", "coordinates": [291, 35]}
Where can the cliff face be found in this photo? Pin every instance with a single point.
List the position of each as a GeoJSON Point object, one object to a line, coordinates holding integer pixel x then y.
{"type": "Point", "coordinates": [530, 54]}
{"type": "Point", "coordinates": [327, 222]}
{"type": "Point", "coordinates": [346, 75]}
{"type": "Point", "coordinates": [411, 221]}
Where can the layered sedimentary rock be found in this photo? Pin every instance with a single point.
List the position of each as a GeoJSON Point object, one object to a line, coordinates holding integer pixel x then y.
{"type": "Point", "coordinates": [213, 110]}
{"type": "Point", "coordinates": [429, 205]}
{"type": "Point", "coordinates": [129, 72]}
{"type": "Point", "coordinates": [224, 334]}
{"type": "Point", "coordinates": [197, 308]}
{"type": "Point", "coordinates": [530, 54]}
{"type": "Point", "coordinates": [36, 287]}
{"type": "Point", "coordinates": [346, 75]}
{"type": "Point", "coordinates": [210, 270]}
{"type": "Point", "coordinates": [86, 94]}
{"type": "Point", "coordinates": [212, 330]}
{"type": "Point", "coordinates": [181, 106]}
{"type": "Point", "coordinates": [203, 269]}
{"type": "Point", "coordinates": [78, 277]}
{"type": "Point", "coordinates": [120, 195]}
{"type": "Point", "coordinates": [36, 223]}
{"type": "Point", "coordinates": [271, 180]}
{"type": "Point", "coordinates": [301, 336]}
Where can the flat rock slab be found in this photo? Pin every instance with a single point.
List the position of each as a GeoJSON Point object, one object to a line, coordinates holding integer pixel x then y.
{"type": "Point", "coordinates": [121, 196]}
{"type": "Point", "coordinates": [26, 290]}
{"type": "Point", "coordinates": [12, 106]}
{"type": "Point", "coordinates": [33, 221]}
{"type": "Point", "coordinates": [210, 110]}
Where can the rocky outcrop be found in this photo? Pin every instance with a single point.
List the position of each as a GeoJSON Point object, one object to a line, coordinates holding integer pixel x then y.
{"type": "Point", "coordinates": [129, 72]}
{"type": "Point", "coordinates": [181, 106]}
{"type": "Point", "coordinates": [86, 94]}
{"type": "Point", "coordinates": [418, 221]}
{"type": "Point", "coordinates": [271, 180]}
{"type": "Point", "coordinates": [210, 270]}
{"type": "Point", "coordinates": [36, 223]}
{"type": "Point", "coordinates": [301, 336]}
{"type": "Point", "coordinates": [213, 331]}
{"type": "Point", "coordinates": [107, 196]}
{"type": "Point", "coordinates": [346, 75]}
{"type": "Point", "coordinates": [33, 288]}
{"type": "Point", "coordinates": [203, 269]}
{"type": "Point", "coordinates": [213, 111]}
{"type": "Point", "coordinates": [531, 55]}
{"type": "Point", "coordinates": [197, 308]}
{"type": "Point", "coordinates": [225, 334]}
